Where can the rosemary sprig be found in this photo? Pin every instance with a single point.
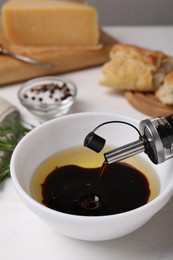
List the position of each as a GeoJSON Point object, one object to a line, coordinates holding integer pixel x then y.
{"type": "Point", "coordinates": [11, 132]}
{"type": "Point", "coordinates": [4, 168]}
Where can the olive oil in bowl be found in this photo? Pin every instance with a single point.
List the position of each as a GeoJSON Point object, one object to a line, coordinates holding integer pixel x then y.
{"type": "Point", "coordinates": [69, 182]}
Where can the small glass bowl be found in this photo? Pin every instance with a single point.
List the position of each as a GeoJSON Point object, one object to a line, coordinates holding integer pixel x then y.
{"type": "Point", "coordinates": [47, 97]}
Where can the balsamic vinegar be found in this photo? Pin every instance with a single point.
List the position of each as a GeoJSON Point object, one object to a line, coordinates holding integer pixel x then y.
{"type": "Point", "coordinates": [73, 182]}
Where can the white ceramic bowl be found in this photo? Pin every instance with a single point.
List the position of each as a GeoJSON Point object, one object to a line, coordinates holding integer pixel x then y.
{"type": "Point", "coordinates": [69, 131]}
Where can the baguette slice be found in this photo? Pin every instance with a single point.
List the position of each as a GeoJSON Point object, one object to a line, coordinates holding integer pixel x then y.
{"type": "Point", "coordinates": [165, 92]}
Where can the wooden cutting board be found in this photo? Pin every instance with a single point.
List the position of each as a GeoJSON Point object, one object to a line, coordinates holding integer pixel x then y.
{"type": "Point", "coordinates": [64, 59]}
{"type": "Point", "coordinates": [147, 103]}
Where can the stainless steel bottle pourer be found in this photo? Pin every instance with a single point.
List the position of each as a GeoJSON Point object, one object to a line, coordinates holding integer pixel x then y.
{"type": "Point", "coordinates": [155, 139]}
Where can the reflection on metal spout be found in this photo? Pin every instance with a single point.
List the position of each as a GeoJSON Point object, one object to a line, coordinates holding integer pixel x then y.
{"type": "Point", "coordinates": [124, 152]}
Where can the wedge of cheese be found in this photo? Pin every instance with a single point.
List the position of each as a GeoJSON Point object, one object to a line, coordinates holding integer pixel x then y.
{"type": "Point", "coordinates": [50, 22]}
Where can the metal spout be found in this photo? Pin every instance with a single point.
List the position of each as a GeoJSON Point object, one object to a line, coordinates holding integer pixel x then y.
{"type": "Point", "coordinates": [124, 152]}
{"type": "Point", "coordinates": [155, 139]}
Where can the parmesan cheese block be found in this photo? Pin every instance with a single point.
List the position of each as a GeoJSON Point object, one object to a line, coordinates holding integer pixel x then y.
{"type": "Point", "coordinates": [50, 22]}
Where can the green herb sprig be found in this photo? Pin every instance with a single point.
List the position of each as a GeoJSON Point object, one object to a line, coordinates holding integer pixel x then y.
{"type": "Point", "coordinates": [11, 132]}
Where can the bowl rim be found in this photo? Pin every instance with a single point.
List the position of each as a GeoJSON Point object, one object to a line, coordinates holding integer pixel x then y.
{"type": "Point", "coordinates": [168, 191]}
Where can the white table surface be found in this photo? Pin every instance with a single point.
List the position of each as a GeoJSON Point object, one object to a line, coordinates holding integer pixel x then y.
{"type": "Point", "coordinates": [24, 237]}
